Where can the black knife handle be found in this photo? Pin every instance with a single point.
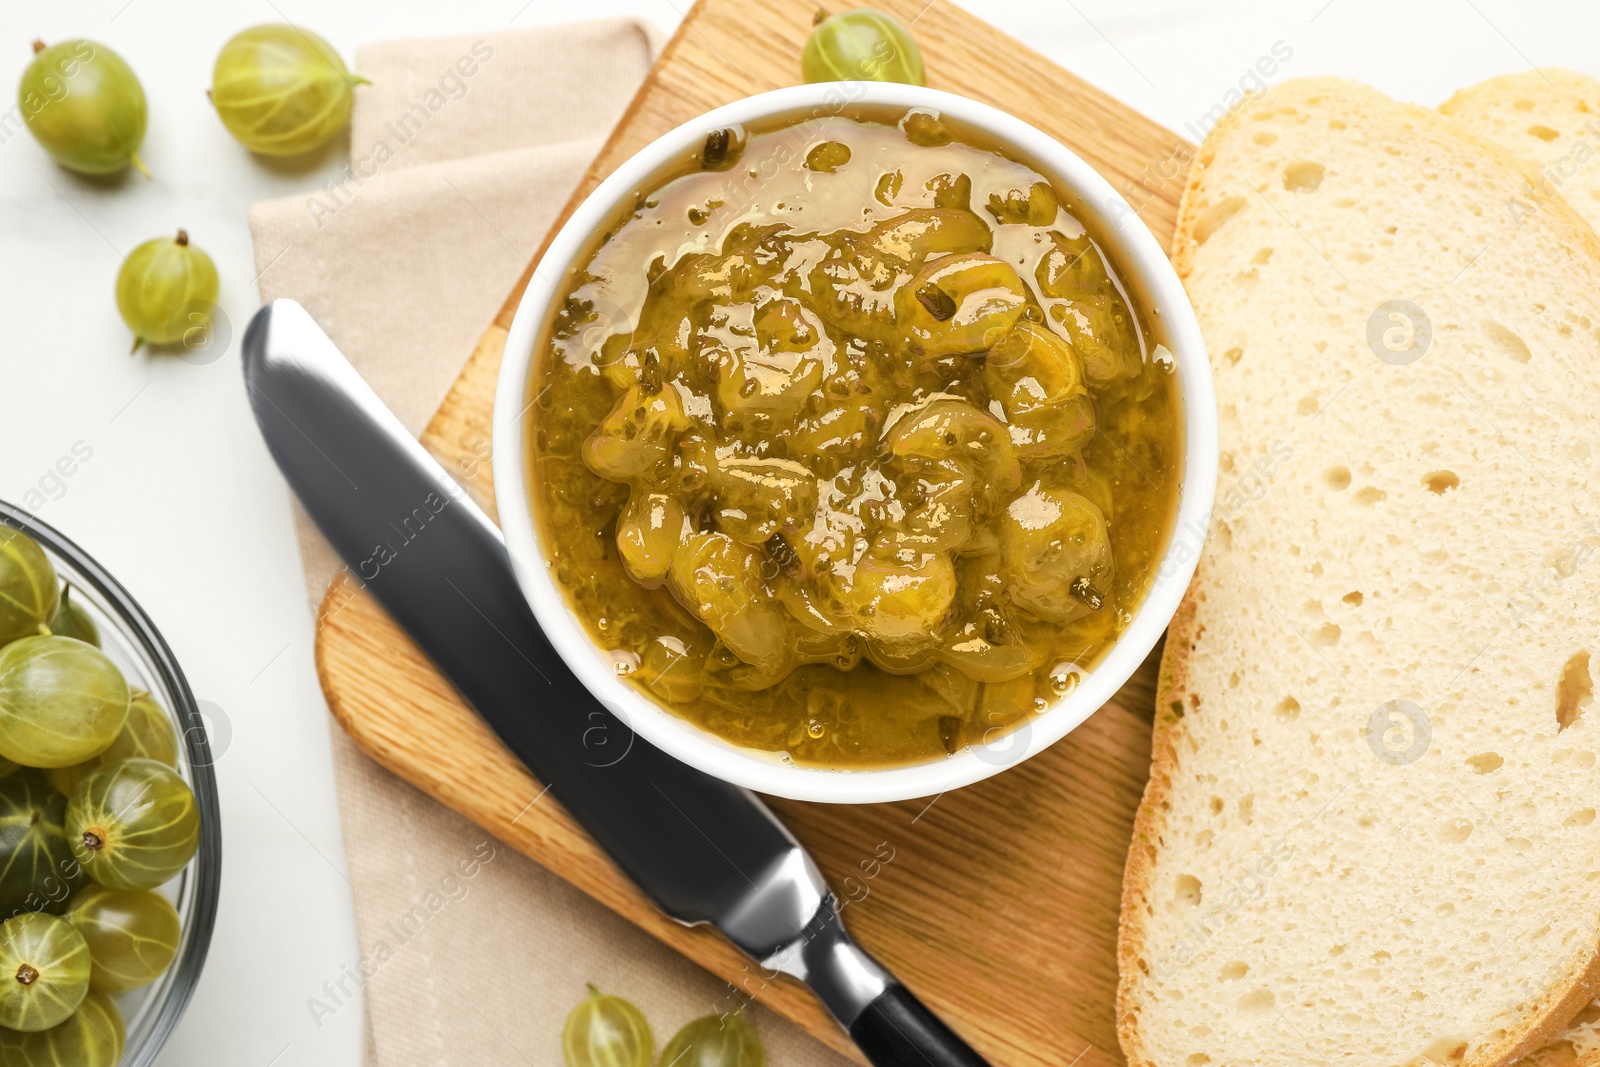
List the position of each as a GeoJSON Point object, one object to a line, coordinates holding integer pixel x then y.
{"type": "Point", "coordinates": [897, 1030]}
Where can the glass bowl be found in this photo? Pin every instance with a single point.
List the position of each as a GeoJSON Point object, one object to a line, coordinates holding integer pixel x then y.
{"type": "Point", "coordinates": [135, 645]}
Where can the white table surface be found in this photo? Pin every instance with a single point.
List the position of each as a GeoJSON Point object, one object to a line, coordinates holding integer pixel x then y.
{"type": "Point", "coordinates": [181, 501]}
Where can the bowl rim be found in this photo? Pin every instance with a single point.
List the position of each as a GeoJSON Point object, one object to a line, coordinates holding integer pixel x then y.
{"type": "Point", "coordinates": [1142, 263]}
{"type": "Point", "coordinates": [206, 867]}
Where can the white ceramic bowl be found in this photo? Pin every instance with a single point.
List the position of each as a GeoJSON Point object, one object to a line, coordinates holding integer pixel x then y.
{"type": "Point", "coordinates": [1142, 264]}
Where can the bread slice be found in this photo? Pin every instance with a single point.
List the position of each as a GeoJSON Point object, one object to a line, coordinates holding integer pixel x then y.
{"type": "Point", "coordinates": [1550, 117]}
{"type": "Point", "coordinates": [1369, 837]}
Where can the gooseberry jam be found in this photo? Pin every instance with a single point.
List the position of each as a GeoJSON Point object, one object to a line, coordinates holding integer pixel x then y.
{"type": "Point", "coordinates": [849, 442]}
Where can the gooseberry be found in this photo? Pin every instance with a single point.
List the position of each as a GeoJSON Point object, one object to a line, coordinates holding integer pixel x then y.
{"type": "Point", "coordinates": [44, 972]}
{"type": "Point", "coordinates": [132, 935]}
{"type": "Point", "coordinates": [716, 1041]}
{"type": "Point", "coordinates": [85, 106]}
{"type": "Point", "coordinates": [133, 824]}
{"type": "Point", "coordinates": [281, 90]}
{"type": "Point", "coordinates": [61, 701]}
{"type": "Point", "coordinates": [29, 593]}
{"type": "Point", "coordinates": [93, 1036]}
{"type": "Point", "coordinates": [37, 871]}
{"type": "Point", "coordinates": [862, 45]}
{"type": "Point", "coordinates": [606, 1031]}
{"type": "Point", "coordinates": [167, 292]}
{"type": "Point", "coordinates": [72, 621]}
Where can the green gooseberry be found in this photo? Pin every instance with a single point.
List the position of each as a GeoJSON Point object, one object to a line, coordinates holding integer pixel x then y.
{"type": "Point", "coordinates": [94, 1036]}
{"type": "Point", "coordinates": [716, 1041]}
{"type": "Point", "coordinates": [29, 592]}
{"type": "Point", "coordinates": [167, 292]}
{"type": "Point", "coordinates": [147, 734]}
{"type": "Point", "coordinates": [44, 972]}
{"type": "Point", "coordinates": [37, 868]}
{"type": "Point", "coordinates": [606, 1031]}
{"type": "Point", "coordinates": [133, 824]}
{"type": "Point", "coordinates": [70, 620]}
{"type": "Point", "coordinates": [61, 701]}
{"type": "Point", "coordinates": [281, 90]}
{"type": "Point", "coordinates": [85, 106]}
{"type": "Point", "coordinates": [132, 935]}
{"type": "Point", "coordinates": [862, 45]}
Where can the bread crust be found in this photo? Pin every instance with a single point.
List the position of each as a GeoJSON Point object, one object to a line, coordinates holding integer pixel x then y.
{"type": "Point", "coordinates": [1574, 990]}
{"type": "Point", "coordinates": [1171, 683]}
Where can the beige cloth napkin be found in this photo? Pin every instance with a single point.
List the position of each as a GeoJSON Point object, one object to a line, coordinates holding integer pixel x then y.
{"type": "Point", "coordinates": [462, 152]}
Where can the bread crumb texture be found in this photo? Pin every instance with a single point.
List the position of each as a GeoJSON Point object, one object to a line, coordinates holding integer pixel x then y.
{"type": "Point", "coordinates": [1369, 836]}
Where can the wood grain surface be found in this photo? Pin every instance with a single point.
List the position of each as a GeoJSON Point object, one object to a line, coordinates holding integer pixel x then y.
{"type": "Point", "coordinates": [997, 903]}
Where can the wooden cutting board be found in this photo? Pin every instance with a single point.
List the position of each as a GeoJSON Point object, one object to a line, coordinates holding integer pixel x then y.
{"type": "Point", "coordinates": [997, 904]}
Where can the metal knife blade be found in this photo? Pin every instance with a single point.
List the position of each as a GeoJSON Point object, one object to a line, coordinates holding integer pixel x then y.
{"type": "Point", "coordinates": [702, 850]}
